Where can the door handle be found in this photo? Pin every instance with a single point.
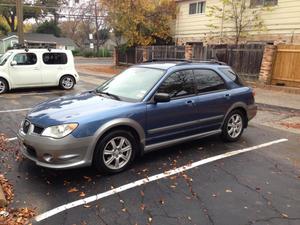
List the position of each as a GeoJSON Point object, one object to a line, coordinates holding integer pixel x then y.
{"type": "Point", "coordinates": [36, 68]}
{"type": "Point", "coordinates": [190, 102]}
{"type": "Point", "coordinates": [227, 96]}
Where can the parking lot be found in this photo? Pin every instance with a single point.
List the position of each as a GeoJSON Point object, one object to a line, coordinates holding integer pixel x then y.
{"type": "Point", "coordinates": [253, 181]}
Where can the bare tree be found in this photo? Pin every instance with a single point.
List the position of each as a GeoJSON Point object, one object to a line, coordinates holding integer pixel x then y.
{"type": "Point", "coordinates": [237, 17]}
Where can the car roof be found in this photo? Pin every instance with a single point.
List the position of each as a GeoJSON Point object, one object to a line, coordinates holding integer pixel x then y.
{"type": "Point", "coordinates": [166, 65]}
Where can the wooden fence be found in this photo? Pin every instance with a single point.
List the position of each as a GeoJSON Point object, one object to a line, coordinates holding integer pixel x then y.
{"type": "Point", "coordinates": [245, 59]}
{"type": "Point", "coordinates": [286, 70]}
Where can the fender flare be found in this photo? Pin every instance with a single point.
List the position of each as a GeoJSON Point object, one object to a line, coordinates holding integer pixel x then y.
{"type": "Point", "coordinates": [111, 125]}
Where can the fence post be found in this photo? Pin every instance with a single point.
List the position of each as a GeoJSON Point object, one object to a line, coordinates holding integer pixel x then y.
{"type": "Point", "coordinates": [188, 52]}
{"type": "Point", "coordinates": [266, 69]}
{"type": "Point", "coordinates": [145, 54]}
{"type": "Point", "coordinates": [115, 57]}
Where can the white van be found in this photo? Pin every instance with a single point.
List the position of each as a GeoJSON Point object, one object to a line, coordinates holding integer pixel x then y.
{"type": "Point", "coordinates": [22, 68]}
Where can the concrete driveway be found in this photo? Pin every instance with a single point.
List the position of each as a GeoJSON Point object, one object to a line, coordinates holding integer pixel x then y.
{"type": "Point", "coordinates": [253, 181]}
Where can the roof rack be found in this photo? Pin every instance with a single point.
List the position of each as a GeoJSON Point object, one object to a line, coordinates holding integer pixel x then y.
{"type": "Point", "coordinates": [212, 61]}
{"type": "Point", "coordinates": [184, 61]}
{"type": "Point", "coordinates": [167, 60]}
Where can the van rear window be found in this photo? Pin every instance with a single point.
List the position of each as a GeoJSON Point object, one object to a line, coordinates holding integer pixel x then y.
{"type": "Point", "coordinates": [55, 58]}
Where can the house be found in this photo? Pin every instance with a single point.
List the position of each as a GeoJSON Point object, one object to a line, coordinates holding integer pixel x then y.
{"type": "Point", "coordinates": [281, 21]}
{"type": "Point", "coordinates": [37, 40]}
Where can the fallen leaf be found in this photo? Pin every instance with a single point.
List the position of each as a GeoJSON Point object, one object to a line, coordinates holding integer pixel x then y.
{"type": "Point", "coordinates": [71, 190]}
{"type": "Point", "coordinates": [142, 207]}
{"type": "Point", "coordinates": [228, 191]}
{"type": "Point", "coordinates": [86, 206]}
{"type": "Point", "coordinates": [82, 194]}
{"type": "Point", "coordinates": [284, 215]}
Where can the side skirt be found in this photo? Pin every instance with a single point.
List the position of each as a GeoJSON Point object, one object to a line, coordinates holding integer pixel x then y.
{"type": "Point", "coordinates": [156, 146]}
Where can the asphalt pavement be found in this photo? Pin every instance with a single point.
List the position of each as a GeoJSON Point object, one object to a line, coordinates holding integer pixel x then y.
{"type": "Point", "coordinates": [260, 186]}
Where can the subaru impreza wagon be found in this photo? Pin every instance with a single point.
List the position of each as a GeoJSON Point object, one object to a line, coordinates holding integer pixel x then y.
{"type": "Point", "coordinates": [147, 107]}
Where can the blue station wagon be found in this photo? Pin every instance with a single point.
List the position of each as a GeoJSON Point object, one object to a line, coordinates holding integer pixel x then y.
{"type": "Point", "coordinates": [147, 107]}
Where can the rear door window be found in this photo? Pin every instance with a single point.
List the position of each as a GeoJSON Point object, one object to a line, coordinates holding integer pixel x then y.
{"type": "Point", "coordinates": [53, 58]}
{"type": "Point", "coordinates": [208, 81]}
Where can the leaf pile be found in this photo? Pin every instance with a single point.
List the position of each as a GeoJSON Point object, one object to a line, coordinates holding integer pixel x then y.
{"type": "Point", "coordinates": [17, 216]}
{"type": "Point", "coordinates": [7, 188]}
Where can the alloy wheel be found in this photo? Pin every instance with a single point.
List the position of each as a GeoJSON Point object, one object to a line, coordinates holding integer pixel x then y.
{"type": "Point", "coordinates": [117, 153]}
{"type": "Point", "coordinates": [67, 82]}
{"type": "Point", "coordinates": [2, 86]}
{"type": "Point", "coordinates": [235, 125]}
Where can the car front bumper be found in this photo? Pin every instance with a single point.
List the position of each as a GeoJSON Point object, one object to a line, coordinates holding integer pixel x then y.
{"type": "Point", "coordinates": [68, 152]}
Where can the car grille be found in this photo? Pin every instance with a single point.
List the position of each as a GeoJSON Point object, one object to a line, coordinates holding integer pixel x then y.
{"type": "Point", "coordinates": [26, 126]}
{"type": "Point", "coordinates": [36, 129]}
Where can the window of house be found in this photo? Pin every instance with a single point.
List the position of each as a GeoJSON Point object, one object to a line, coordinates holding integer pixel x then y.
{"type": "Point", "coordinates": [178, 84]}
{"type": "Point", "coordinates": [208, 80]}
{"type": "Point", "coordinates": [263, 2]}
{"type": "Point", "coordinates": [197, 7]}
{"type": "Point", "coordinates": [55, 58]}
{"type": "Point", "coordinates": [25, 59]}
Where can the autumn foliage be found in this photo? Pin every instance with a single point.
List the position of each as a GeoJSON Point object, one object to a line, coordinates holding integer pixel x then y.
{"type": "Point", "coordinates": [141, 22]}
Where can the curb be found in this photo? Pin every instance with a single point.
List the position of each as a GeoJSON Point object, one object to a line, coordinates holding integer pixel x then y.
{"type": "Point", "coordinates": [3, 201]}
{"type": "Point", "coordinates": [275, 107]}
{"type": "Point", "coordinates": [285, 89]}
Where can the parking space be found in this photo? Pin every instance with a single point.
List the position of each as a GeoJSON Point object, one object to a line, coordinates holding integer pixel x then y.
{"type": "Point", "coordinates": [260, 186]}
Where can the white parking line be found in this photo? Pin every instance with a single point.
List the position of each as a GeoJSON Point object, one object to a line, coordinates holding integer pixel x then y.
{"type": "Point", "coordinates": [150, 179]}
{"type": "Point", "coordinates": [15, 110]}
{"type": "Point", "coordinates": [12, 139]}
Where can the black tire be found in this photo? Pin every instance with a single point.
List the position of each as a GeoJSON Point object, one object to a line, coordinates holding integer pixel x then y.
{"type": "Point", "coordinates": [105, 142]}
{"type": "Point", "coordinates": [3, 86]}
{"type": "Point", "coordinates": [227, 134]}
{"type": "Point", "coordinates": [67, 82]}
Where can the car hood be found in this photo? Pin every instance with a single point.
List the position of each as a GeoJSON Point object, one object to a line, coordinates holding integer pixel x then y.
{"type": "Point", "coordinates": [72, 109]}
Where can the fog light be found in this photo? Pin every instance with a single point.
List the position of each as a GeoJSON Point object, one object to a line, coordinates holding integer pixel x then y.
{"type": "Point", "coordinates": [48, 157]}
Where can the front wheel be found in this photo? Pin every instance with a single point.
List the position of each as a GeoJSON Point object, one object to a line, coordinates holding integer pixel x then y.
{"type": "Point", "coordinates": [115, 152]}
{"type": "Point", "coordinates": [67, 82]}
{"type": "Point", "coordinates": [233, 126]}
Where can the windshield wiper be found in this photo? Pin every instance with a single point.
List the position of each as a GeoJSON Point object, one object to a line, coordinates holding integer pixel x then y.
{"type": "Point", "coordinates": [108, 94]}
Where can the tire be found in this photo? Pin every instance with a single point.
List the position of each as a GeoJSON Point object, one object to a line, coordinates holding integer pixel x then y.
{"type": "Point", "coordinates": [106, 155]}
{"type": "Point", "coordinates": [3, 86]}
{"type": "Point", "coordinates": [233, 126]}
{"type": "Point", "coordinates": [67, 82]}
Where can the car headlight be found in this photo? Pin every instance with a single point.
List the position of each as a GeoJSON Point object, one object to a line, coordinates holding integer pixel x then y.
{"type": "Point", "coordinates": [59, 131]}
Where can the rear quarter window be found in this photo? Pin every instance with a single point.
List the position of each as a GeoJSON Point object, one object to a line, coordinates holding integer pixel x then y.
{"type": "Point", "coordinates": [233, 76]}
{"type": "Point", "coordinates": [55, 58]}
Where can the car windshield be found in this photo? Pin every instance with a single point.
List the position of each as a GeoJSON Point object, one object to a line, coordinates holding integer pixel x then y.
{"type": "Point", "coordinates": [4, 58]}
{"type": "Point", "coordinates": [132, 84]}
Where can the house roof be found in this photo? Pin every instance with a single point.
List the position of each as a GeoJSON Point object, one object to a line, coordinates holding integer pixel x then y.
{"type": "Point", "coordinates": [44, 38]}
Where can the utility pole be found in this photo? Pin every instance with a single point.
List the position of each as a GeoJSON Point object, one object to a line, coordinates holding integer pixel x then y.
{"type": "Point", "coordinates": [20, 12]}
{"type": "Point", "coordinates": [97, 26]}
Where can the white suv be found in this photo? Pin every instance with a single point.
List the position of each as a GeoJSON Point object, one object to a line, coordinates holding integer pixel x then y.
{"type": "Point", "coordinates": [21, 68]}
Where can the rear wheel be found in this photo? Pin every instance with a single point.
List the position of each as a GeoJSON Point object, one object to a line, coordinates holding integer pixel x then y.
{"type": "Point", "coordinates": [115, 152]}
{"type": "Point", "coordinates": [233, 126]}
{"type": "Point", "coordinates": [3, 86]}
{"type": "Point", "coordinates": [67, 82]}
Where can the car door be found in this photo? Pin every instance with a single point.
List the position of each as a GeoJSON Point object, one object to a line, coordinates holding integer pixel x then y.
{"type": "Point", "coordinates": [53, 64]}
{"type": "Point", "coordinates": [213, 99]}
{"type": "Point", "coordinates": [24, 70]}
{"type": "Point", "coordinates": [174, 119]}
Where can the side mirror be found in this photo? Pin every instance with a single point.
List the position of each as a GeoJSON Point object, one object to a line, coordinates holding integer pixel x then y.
{"type": "Point", "coordinates": [13, 63]}
{"type": "Point", "coordinates": [162, 97]}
